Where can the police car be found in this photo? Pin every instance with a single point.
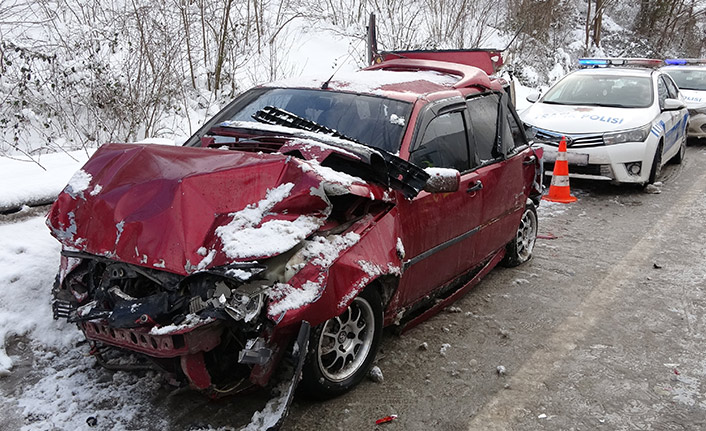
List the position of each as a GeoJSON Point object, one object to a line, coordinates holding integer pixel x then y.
{"type": "Point", "coordinates": [690, 76]}
{"type": "Point", "coordinates": [623, 119]}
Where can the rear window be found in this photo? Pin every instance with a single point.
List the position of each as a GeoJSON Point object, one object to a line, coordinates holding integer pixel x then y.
{"type": "Point", "coordinates": [602, 90]}
{"type": "Point", "coordinates": [375, 121]}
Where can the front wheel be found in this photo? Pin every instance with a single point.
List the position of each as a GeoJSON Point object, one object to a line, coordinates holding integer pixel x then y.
{"type": "Point", "coordinates": [519, 250]}
{"type": "Point", "coordinates": [679, 156]}
{"type": "Point", "coordinates": [342, 349]}
{"type": "Point", "coordinates": [656, 164]}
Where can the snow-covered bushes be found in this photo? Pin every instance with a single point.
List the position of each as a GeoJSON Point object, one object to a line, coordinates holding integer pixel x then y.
{"type": "Point", "coordinates": [77, 73]}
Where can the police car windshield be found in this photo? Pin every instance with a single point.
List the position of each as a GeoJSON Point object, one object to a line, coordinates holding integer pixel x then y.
{"type": "Point", "coordinates": [689, 79]}
{"type": "Point", "coordinates": [602, 90]}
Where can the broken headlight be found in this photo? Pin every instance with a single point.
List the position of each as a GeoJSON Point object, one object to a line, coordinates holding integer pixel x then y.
{"type": "Point", "coordinates": [218, 295]}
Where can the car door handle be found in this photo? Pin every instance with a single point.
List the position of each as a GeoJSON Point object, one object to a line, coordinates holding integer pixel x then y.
{"type": "Point", "coordinates": [475, 187]}
{"type": "Point", "coordinates": [531, 160]}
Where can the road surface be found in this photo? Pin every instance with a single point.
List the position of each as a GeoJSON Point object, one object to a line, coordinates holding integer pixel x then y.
{"type": "Point", "coordinates": [603, 329]}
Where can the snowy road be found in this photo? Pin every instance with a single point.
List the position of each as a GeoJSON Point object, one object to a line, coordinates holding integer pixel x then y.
{"type": "Point", "coordinates": [603, 329]}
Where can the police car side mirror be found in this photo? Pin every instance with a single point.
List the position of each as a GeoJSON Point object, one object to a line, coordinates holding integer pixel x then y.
{"type": "Point", "coordinates": [533, 96]}
{"type": "Point", "coordinates": [673, 105]}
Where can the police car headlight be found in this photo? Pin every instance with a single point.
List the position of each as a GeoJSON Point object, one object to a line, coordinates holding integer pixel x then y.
{"type": "Point", "coordinates": [697, 111]}
{"type": "Point", "coordinates": [632, 135]}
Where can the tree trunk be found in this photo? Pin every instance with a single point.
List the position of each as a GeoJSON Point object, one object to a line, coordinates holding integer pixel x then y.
{"type": "Point", "coordinates": [222, 46]}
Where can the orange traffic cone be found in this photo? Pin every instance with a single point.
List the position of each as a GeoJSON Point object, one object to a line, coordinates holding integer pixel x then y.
{"type": "Point", "coordinates": [559, 190]}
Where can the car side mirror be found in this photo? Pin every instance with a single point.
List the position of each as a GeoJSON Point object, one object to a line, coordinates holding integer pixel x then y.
{"type": "Point", "coordinates": [673, 105]}
{"type": "Point", "coordinates": [533, 96]}
{"type": "Point", "coordinates": [442, 180]}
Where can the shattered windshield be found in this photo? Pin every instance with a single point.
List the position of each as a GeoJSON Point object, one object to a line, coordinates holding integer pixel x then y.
{"type": "Point", "coordinates": [374, 121]}
{"type": "Point", "coordinates": [602, 90]}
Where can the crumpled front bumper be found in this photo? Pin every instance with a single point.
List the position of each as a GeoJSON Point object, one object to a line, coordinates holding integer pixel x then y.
{"type": "Point", "coordinates": [202, 338]}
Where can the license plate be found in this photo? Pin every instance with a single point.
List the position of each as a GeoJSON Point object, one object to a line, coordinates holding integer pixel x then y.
{"type": "Point", "coordinates": [578, 159]}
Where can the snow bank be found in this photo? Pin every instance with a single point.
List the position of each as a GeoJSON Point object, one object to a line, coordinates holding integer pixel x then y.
{"type": "Point", "coordinates": [29, 260]}
{"type": "Point", "coordinates": [24, 182]}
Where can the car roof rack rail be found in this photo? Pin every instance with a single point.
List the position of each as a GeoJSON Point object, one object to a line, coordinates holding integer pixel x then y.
{"type": "Point", "coordinates": [620, 61]}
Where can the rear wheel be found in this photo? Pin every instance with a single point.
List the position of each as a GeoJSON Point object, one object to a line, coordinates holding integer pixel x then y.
{"type": "Point", "coordinates": [342, 349]}
{"type": "Point", "coordinates": [519, 250]}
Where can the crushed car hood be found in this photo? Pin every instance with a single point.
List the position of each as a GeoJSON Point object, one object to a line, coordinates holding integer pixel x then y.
{"type": "Point", "coordinates": [185, 209]}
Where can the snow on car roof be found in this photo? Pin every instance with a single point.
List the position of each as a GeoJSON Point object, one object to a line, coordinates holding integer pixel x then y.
{"type": "Point", "coordinates": [379, 82]}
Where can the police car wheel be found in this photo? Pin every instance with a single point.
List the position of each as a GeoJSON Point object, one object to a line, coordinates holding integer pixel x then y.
{"type": "Point", "coordinates": [519, 249]}
{"type": "Point", "coordinates": [656, 164]}
{"type": "Point", "coordinates": [679, 156]}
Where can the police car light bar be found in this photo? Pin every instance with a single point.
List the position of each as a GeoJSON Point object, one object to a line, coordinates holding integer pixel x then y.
{"type": "Point", "coordinates": [641, 62]}
{"type": "Point", "coordinates": [684, 61]}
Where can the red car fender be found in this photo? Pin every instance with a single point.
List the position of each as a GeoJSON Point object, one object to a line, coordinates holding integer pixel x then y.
{"type": "Point", "coordinates": [373, 256]}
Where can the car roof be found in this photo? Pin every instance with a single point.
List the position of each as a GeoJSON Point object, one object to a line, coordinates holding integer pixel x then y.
{"type": "Point", "coordinates": [621, 71]}
{"type": "Point", "coordinates": [402, 79]}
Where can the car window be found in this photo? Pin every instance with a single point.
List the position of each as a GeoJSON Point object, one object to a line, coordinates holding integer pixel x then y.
{"type": "Point", "coordinates": [517, 137]}
{"type": "Point", "coordinates": [672, 89]}
{"type": "Point", "coordinates": [444, 144]}
{"type": "Point", "coordinates": [662, 93]}
{"type": "Point", "coordinates": [484, 119]}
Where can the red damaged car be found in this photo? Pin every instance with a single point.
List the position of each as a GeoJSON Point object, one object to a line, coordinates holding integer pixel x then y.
{"type": "Point", "coordinates": [298, 222]}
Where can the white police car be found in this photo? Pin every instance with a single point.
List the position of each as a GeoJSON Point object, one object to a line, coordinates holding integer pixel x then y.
{"type": "Point", "coordinates": [623, 119]}
{"type": "Point", "coordinates": [690, 76]}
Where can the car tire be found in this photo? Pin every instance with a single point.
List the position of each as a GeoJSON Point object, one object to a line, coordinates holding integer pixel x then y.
{"type": "Point", "coordinates": [519, 250]}
{"type": "Point", "coordinates": [679, 156]}
{"type": "Point", "coordinates": [342, 349]}
{"type": "Point", "coordinates": [656, 164]}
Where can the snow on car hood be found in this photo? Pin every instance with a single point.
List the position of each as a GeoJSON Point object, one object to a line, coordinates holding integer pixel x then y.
{"type": "Point", "coordinates": [585, 119]}
{"type": "Point", "coordinates": [694, 98]}
{"type": "Point", "coordinates": [184, 209]}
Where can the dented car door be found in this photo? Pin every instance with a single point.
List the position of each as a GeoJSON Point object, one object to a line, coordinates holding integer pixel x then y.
{"type": "Point", "coordinates": [438, 229]}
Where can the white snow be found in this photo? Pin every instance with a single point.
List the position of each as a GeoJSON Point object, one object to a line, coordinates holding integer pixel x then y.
{"type": "Point", "coordinates": [368, 81]}
{"type": "Point", "coordinates": [400, 248]}
{"type": "Point", "coordinates": [22, 181]}
{"type": "Point", "coordinates": [288, 297]}
{"type": "Point", "coordinates": [29, 260]}
{"type": "Point", "coordinates": [78, 183]}
{"type": "Point", "coordinates": [322, 251]}
{"type": "Point", "coordinates": [245, 236]}
{"type": "Point", "coordinates": [332, 177]}
{"type": "Point", "coordinates": [397, 120]}
{"type": "Point", "coordinates": [271, 238]}
{"type": "Point", "coordinates": [190, 320]}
